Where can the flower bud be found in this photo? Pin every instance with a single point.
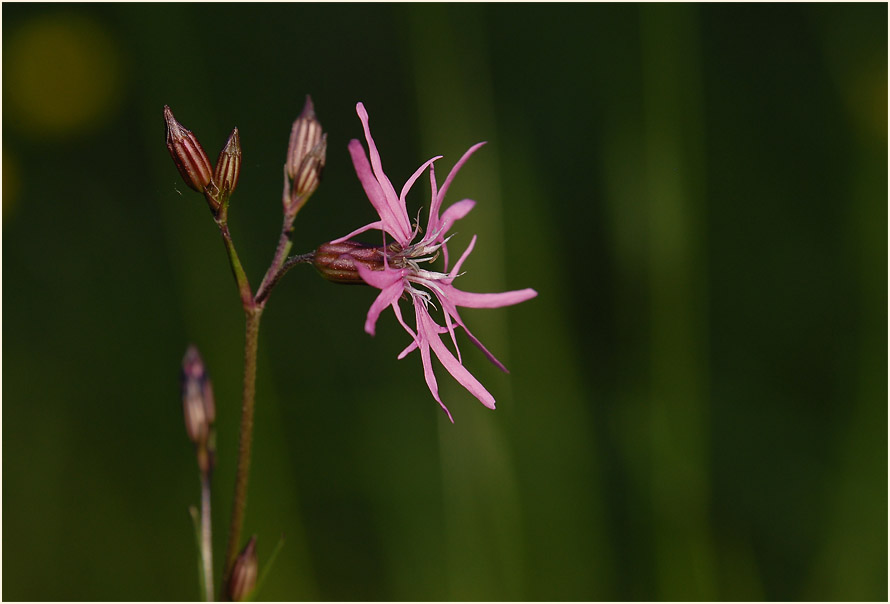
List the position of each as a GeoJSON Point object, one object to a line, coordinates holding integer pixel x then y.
{"type": "Point", "coordinates": [336, 261]}
{"type": "Point", "coordinates": [305, 134]}
{"type": "Point", "coordinates": [308, 175]}
{"type": "Point", "coordinates": [244, 572]}
{"type": "Point", "coordinates": [187, 153]}
{"type": "Point", "coordinates": [306, 153]}
{"type": "Point", "coordinates": [197, 398]}
{"type": "Point", "coordinates": [228, 166]}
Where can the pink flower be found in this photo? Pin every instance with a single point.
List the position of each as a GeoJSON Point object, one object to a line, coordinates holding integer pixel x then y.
{"type": "Point", "coordinates": [403, 273]}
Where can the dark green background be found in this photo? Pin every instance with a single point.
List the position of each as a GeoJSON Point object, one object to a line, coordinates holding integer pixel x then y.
{"type": "Point", "coordinates": [697, 404]}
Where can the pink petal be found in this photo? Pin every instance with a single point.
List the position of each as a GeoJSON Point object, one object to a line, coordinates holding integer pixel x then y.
{"type": "Point", "coordinates": [372, 189]}
{"type": "Point", "coordinates": [367, 227]}
{"type": "Point", "coordinates": [473, 300]}
{"type": "Point", "coordinates": [451, 310]}
{"type": "Point", "coordinates": [389, 191]}
{"type": "Point", "coordinates": [454, 271]}
{"type": "Point", "coordinates": [379, 279]}
{"type": "Point", "coordinates": [450, 326]}
{"type": "Point", "coordinates": [455, 212]}
{"type": "Point", "coordinates": [494, 360]}
{"type": "Point", "coordinates": [451, 364]}
{"type": "Point", "coordinates": [387, 297]}
{"type": "Point", "coordinates": [413, 345]}
{"type": "Point", "coordinates": [427, 362]}
{"type": "Point", "coordinates": [414, 177]}
{"type": "Point", "coordinates": [440, 226]}
{"type": "Point", "coordinates": [408, 349]}
{"type": "Point", "coordinates": [398, 313]}
{"type": "Point", "coordinates": [441, 195]}
{"type": "Point", "coordinates": [434, 208]}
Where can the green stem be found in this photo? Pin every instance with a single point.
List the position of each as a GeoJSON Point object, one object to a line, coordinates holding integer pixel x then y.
{"type": "Point", "coordinates": [253, 310]}
{"type": "Point", "coordinates": [252, 314]}
{"type": "Point", "coordinates": [237, 269]}
{"type": "Point", "coordinates": [196, 524]}
{"type": "Point", "coordinates": [239, 503]}
{"type": "Point", "coordinates": [206, 537]}
{"type": "Point", "coordinates": [276, 268]}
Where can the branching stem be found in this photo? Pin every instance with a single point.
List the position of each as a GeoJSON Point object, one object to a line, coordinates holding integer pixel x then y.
{"type": "Point", "coordinates": [253, 309]}
{"type": "Point", "coordinates": [291, 262]}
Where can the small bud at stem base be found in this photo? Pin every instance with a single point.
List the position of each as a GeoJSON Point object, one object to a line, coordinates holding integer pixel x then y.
{"type": "Point", "coordinates": [244, 573]}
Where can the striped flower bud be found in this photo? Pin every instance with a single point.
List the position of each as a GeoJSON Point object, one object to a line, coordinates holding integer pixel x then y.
{"type": "Point", "coordinates": [336, 261]}
{"type": "Point", "coordinates": [308, 175]}
{"type": "Point", "coordinates": [306, 153]}
{"type": "Point", "coordinates": [197, 398]}
{"type": "Point", "coordinates": [244, 572]}
{"type": "Point", "coordinates": [187, 153]}
{"type": "Point", "coordinates": [228, 165]}
{"type": "Point", "coordinates": [305, 134]}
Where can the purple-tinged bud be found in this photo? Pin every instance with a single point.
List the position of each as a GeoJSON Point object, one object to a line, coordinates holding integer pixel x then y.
{"type": "Point", "coordinates": [228, 166]}
{"type": "Point", "coordinates": [187, 153]}
{"type": "Point", "coordinates": [244, 572]}
{"type": "Point", "coordinates": [306, 153]}
{"type": "Point", "coordinates": [197, 398]}
{"type": "Point", "coordinates": [308, 175]}
{"type": "Point", "coordinates": [305, 134]}
{"type": "Point", "coordinates": [336, 261]}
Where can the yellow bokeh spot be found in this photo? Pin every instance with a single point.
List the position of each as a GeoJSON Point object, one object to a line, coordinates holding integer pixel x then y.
{"type": "Point", "coordinates": [62, 75]}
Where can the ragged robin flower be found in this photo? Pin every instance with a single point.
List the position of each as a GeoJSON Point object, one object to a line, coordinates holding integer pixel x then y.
{"type": "Point", "coordinates": [404, 271]}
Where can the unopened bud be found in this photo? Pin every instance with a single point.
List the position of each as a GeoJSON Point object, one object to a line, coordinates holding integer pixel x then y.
{"type": "Point", "coordinates": [305, 134]}
{"type": "Point", "coordinates": [187, 153]}
{"type": "Point", "coordinates": [197, 398]}
{"type": "Point", "coordinates": [228, 166]}
{"type": "Point", "coordinates": [309, 173]}
{"type": "Point", "coordinates": [306, 154]}
{"type": "Point", "coordinates": [244, 572]}
{"type": "Point", "coordinates": [336, 261]}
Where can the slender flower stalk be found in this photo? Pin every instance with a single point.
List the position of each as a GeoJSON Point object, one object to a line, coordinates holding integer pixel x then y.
{"type": "Point", "coordinates": [305, 163]}
{"type": "Point", "coordinates": [207, 537]}
{"type": "Point", "coordinates": [199, 411]}
{"type": "Point", "coordinates": [404, 271]}
{"type": "Point", "coordinates": [245, 439]}
{"type": "Point", "coordinates": [291, 262]}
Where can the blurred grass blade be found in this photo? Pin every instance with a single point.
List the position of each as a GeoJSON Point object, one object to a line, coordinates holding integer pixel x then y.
{"type": "Point", "coordinates": [265, 572]}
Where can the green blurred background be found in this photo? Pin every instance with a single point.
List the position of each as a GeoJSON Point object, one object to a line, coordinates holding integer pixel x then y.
{"type": "Point", "coordinates": [697, 407]}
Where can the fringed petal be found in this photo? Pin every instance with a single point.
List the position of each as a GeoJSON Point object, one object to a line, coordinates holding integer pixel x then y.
{"type": "Point", "coordinates": [473, 300]}
{"type": "Point", "coordinates": [426, 360]}
{"type": "Point", "coordinates": [397, 209]}
{"type": "Point", "coordinates": [454, 171]}
{"type": "Point", "coordinates": [386, 297]}
{"type": "Point", "coordinates": [368, 227]}
{"type": "Point", "coordinates": [451, 364]}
